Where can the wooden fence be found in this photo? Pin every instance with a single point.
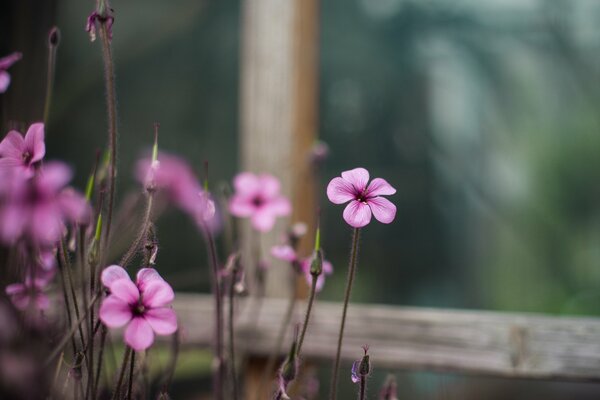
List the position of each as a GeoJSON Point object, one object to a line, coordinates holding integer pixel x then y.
{"type": "Point", "coordinates": [514, 345]}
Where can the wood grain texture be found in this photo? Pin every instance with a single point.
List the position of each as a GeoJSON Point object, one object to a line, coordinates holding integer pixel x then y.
{"type": "Point", "coordinates": [472, 342]}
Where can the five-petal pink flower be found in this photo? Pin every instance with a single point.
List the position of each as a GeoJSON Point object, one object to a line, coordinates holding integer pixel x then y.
{"type": "Point", "coordinates": [23, 153]}
{"type": "Point", "coordinates": [6, 63]}
{"type": "Point", "coordinates": [364, 197]}
{"type": "Point", "coordinates": [258, 197]}
{"type": "Point", "coordinates": [144, 306]}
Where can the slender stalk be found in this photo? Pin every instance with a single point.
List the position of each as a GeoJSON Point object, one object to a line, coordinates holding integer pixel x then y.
{"type": "Point", "coordinates": [351, 272]}
{"type": "Point", "coordinates": [99, 366]}
{"type": "Point", "coordinates": [63, 256]}
{"type": "Point", "coordinates": [126, 357]}
{"type": "Point", "coordinates": [66, 300]}
{"type": "Point", "coordinates": [363, 388]}
{"type": "Point", "coordinates": [234, 388]}
{"type": "Point", "coordinates": [311, 299]}
{"type": "Point", "coordinates": [52, 47]}
{"type": "Point", "coordinates": [218, 299]}
{"type": "Point", "coordinates": [126, 259]}
{"type": "Point", "coordinates": [131, 367]}
{"type": "Point", "coordinates": [111, 108]}
{"type": "Point", "coordinates": [280, 336]}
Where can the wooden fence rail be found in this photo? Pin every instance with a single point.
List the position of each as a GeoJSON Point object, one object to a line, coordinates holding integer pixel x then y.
{"type": "Point", "coordinates": [514, 345]}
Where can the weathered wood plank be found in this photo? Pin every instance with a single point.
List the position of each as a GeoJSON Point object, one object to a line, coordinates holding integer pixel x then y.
{"type": "Point", "coordinates": [475, 342]}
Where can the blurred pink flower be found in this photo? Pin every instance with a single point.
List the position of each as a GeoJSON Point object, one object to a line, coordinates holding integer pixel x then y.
{"type": "Point", "coordinates": [29, 294]}
{"type": "Point", "coordinates": [23, 153]}
{"type": "Point", "coordinates": [38, 208]}
{"type": "Point", "coordinates": [257, 197]}
{"type": "Point", "coordinates": [287, 253]}
{"type": "Point", "coordinates": [174, 177]}
{"type": "Point", "coordinates": [6, 63]}
{"type": "Point", "coordinates": [143, 306]}
{"type": "Point", "coordinates": [364, 198]}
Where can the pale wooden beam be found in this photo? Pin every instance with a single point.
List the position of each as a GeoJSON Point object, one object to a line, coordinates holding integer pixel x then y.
{"type": "Point", "coordinates": [514, 345]}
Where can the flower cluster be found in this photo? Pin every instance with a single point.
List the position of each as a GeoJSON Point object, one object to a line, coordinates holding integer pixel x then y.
{"type": "Point", "coordinates": [144, 306]}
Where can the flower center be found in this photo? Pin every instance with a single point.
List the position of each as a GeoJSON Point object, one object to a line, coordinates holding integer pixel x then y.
{"type": "Point", "coordinates": [258, 201]}
{"type": "Point", "coordinates": [27, 156]}
{"type": "Point", "coordinates": [362, 196]}
{"type": "Point", "coordinates": [138, 309]}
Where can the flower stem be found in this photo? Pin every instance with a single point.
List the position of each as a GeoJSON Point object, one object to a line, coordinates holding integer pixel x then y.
{"type": "Point", "coordinates": [131, 366]}
{"type": "Point", "coordinates": [311, 299]}
{"type": "Point", "coordinates": [351, 272]}
{"type": "Point", "coordinates": [111, 107]}
{"type": "Point", "coordinates": [218, 301]}
{"type": "Point", "coordinates": [117, 389]}
{"type": "Point", "coordinates": [279, 343]}
{"type": "Point", "coordinates": [53, 46]}
{"type": "Point", "coordinates": [363, 388]}
{"type": "Point", "coordinates": [142, 234]}
{"type": "Point", "coordinates": [100, 358]}
{"type": "Point", "coordinates": [234, 388]}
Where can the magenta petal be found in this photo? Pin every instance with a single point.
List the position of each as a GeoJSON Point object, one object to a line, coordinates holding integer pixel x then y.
{"type": "Point", "coordinates": [359, 177]}
{"type": "Point", "coordinates": [13, 219]}
{"type": "Point", "coordinates": [9, 60]}
{"type": "Point", "coordinates": [162, 320]}
{"type": "Point", "coordinates": [269, 186]}
{"type": "Point", "coordinates": [4, 81]}
{"type": "Point", "coordinates": [114, 312]}
{"type": "Point", "coordinates": [74, 206]}
{"type": "Point", "coordinates": [34, 141]}
{"type": "Point", "coordinates": [263, 220]}
{"type": "Point", "coordinates": [139, 335]}
{"type": "Point", "coordinates": [42, 301]}
{"type": "Point", "coordinates": [285, 253]}
{"type": "Point", "coordinates": [145, 276]}
{"type": "Point", "coordinates": [112, 274]}
{"type": "Point", "coordinates": [240, 206]}
{"type": "Point", "coordinates": [12, 146]}
{"type": "Point", "coordinates": [15, 288]}
{"type": "Point", "coordinates": [55, 175]}
{"type": "Point", "coordinates": [125, 290]}
{"type": "Point", "coordinates": [327, 268]}
{"type": "Point", "coordinates": [383, 209]}
{"type": "Point", "coordinates": [357, 214]}
{"type": "Point", "coordinates": [380, 187]}
{"type": "Point", "coordinates": [246, 184]}
{"type": "Point", "coordinates": [157, 293]}
{"type": "Point", "coordinates": [340, 191]}
{"type": "Point", "coordinates": [46, 226]}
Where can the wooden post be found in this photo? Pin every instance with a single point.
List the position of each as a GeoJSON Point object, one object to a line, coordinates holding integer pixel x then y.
{"type": "Point", "coordinates": [278, 121]}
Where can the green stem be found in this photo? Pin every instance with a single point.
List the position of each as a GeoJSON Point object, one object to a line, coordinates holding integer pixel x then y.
{"type": "Point", "coordinates": [351, 272]}
{"type": "Point", "coordinates": [311, 299]}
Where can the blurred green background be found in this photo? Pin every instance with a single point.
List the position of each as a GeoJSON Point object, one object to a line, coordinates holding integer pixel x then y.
{"type": "Point", "coordinates": [483, 114]}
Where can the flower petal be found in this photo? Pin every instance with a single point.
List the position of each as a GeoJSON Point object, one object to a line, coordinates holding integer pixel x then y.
{"type": "Point", "coordinates": [12, 146]}
{"type": "Point", "coordinates": [285, 253]}
{"type": "Point", "coordinates": [113, 273]}
{"type": "Point", "coordinates": [114, 312]}
{"type": "Point", "coordinates": [162, 320]}
{"type": "Point", "coordinates": [34, 141]}
{"type": "Point", "coordinates": [145, 276]}
{"type": "Point", "coordinates": [269, 186]}
{"type": "Point", "coordinates": [263, 220]}
{"type": "Point", "coordinates": [157, 293]}
{"type": "Point", "coordinates": [359, 177]}
{"type": "Point", "coordinates": [139, 335]}
{"type": "Point", "coordinates": [125, 290]}
{"type": "Point", "coordinates": [246, 184]}
{"type": "Point", "coordinates": [357, 214]}
{"type": "Point", "coordinates": [380, 187]}
{"type": "Point", "coordinates": [4, 81]}
{"type": "Point", "coordinates": [241, 206]}
{"type": "Point", "coordinates": [340, 191]}
{"type": "Point", "coordinates": [42, 301]}
{"type": "Point", "coordinates": [279, 206]}
{"type": "Point", "coordinates": [383, 209]}
{"type": "Point", "coordinates": [74, 206]}
{"type": "Point", "coordinates": [9, 60]}
{"type": "Point", "coordinates": [54, 176]}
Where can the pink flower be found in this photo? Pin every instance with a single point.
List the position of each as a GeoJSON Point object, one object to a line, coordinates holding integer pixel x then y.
{"type": "Point", "coordinates": [364, 198]}
{"type": "Point", "coordinates": [287, 253]}
{"type": "Point", "coordinates": [38, 208]}
{"type": "Point", "coordinates": [23, 153]}
{"type": "Point", "coordinates": [30, 293]}
{"type": "Point", "coordinates": [143, 306]}
{"type": "Point", "coordinates": [257, 197]}
{"type": "Point", "coordinates": [172, 176]}
{"type": "Point", "coordinates": [6, 63]}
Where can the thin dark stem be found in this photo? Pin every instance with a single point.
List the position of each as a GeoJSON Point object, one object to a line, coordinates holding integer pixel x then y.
{"type": "Point", "coordinates": [280, 336]}
{"type": "Point", "coordinates": [111, 108]}
{"type": "Point", "coordinates": [100, 358]}
{"type": "Point", "coordinates": [141, 235]}
{"type": "Point", "coordinates": [363, 388]}
{"type": "Point", "coordinates": [64, 258]}
{"type": "Point", "coordinates": [351, 272]}
{"type": "Point", "coordinates": [117, 389]}
{"type": "Point", "coordinates": [218, 300]}
{"type": "Point", "coordinates": [67, 302]}
{"type": "Point", "coordinates": [231, 334]}
{"type": "Point", "coordinates": [49, 80]}
{"type": "Point", "coordinates": [131, 366]}
{"type": "Point", "coordinates": [311, 299]}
